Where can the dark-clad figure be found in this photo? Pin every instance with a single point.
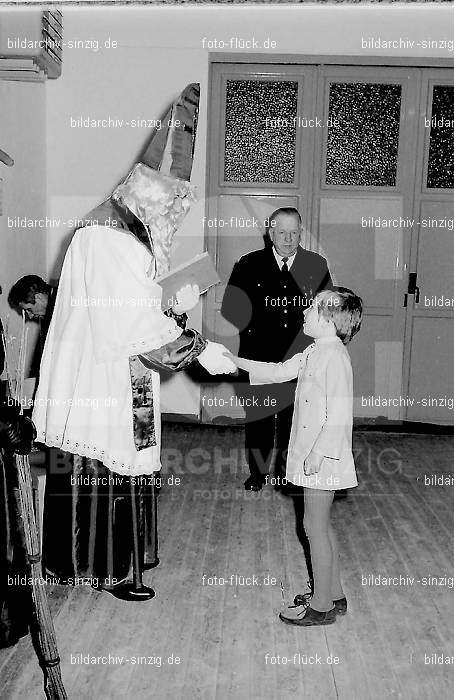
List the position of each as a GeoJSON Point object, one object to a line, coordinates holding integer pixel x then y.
{"type": "Point", "coordinates": [265, 298]}
{"type": "Point", "coordinates": [36, 298]}
{"type": "Point", "coordinates": [16, 435]}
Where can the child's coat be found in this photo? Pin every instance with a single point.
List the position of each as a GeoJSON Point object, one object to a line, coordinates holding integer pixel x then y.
{"type": "Point", "coordinates": [323, 413]}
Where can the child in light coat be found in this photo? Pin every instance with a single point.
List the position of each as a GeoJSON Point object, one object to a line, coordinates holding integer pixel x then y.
{"type": "Point", "coordinates": [320, 450]}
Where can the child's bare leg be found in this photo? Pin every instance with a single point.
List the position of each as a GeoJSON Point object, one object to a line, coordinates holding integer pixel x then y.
{"type": "Point", "coordinates": [336, 585]}
{"type": "Point", "coordinates": [317, 511]}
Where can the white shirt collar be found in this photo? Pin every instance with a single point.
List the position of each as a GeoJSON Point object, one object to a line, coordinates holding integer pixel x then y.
{"type": "Point", "coordinates": [328, 339]}
{"type": "Point", "coordinates": [279, 258]}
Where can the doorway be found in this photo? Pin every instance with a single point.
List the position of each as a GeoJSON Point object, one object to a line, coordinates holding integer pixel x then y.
{"type": "Point", "coordinates": [364, 153]}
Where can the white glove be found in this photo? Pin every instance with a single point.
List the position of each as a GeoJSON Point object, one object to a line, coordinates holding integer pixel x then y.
{"type": "Point", "coordinates": [214, 360]}
{"type": "Point", "coordinates": [186, 298]}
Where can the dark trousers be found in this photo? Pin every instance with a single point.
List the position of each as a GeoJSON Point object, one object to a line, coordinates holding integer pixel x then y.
{"type": "Point", "coordinates": [271, 418]}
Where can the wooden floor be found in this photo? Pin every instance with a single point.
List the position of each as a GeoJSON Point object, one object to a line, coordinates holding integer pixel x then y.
{"type": "Point", "coordinates": [228, 638]}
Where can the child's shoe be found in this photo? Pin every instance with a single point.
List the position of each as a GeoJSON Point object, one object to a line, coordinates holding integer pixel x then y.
{"type": "Point", "coordinates": [305, 616]}
{"type": "Point", "coordinates": [303, 599]}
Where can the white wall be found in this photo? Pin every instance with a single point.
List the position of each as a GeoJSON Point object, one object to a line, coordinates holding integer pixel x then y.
{"type": "Point", "coordinates": [22, 136]}
{"type": "Point", "coordinates": [161, 50]}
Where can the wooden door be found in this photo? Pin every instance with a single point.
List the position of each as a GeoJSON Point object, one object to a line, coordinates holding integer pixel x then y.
{"type": "Point", "coordinates": [429, 337]}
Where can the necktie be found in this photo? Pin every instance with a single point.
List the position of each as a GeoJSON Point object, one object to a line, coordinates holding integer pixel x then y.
{"type": "Point", "coordinates": [284, 268]}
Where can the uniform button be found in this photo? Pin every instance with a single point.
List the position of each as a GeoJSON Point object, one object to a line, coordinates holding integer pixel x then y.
{"type": "Point", "coordinates": [285, 311]}
{"type": "Point", "coordinates": [258, 284]}
{"type": "Point", "coordinates": [285, 286]}
{"type": "Point", "coordinates": [285, 325]}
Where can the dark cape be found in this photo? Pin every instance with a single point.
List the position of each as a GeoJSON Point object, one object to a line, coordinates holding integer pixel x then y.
{"type": "Point", "coordinates": [15, 597]}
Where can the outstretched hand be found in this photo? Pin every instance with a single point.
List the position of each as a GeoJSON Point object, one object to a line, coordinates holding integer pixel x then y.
{"type": "Point", "coordinates": [215, 361]}
{"type": "Point", "coordinates": [234, 358]}
{"type": "Point", "coordinates": [239, 362]}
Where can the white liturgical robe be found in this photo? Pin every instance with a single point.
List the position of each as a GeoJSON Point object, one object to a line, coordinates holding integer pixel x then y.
{"type": "Point", "coordinates": [107, 309]}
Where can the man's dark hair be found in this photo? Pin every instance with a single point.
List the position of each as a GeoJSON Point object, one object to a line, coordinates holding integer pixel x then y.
{"type": "Point", "coordinates": [288, 211]}
{"type": "Point", "coordinates": [23, 292]}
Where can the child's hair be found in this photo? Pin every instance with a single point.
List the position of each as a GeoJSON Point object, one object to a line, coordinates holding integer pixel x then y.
{"type": "Point", "coordinates": [341, 306]}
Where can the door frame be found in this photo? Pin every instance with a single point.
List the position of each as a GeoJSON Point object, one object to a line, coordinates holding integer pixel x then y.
{"type": "Point", "coordinates": [329, 59]}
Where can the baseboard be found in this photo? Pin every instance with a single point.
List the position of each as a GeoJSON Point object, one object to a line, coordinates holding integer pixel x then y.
{"type": "Point", "coordinates": [380, 424]}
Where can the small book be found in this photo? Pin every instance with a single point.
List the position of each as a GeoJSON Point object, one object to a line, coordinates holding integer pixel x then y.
{"type": "Point", "coordinates": [199, 270]}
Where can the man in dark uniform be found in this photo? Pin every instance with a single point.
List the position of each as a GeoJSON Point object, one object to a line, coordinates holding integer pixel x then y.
{"type": "Point", "coordinates": [265, 298]}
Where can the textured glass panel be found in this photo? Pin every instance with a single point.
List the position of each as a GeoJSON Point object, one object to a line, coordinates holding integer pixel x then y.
{"type": "Point", "coordinates": [440, 171]}
{"type": "Point", "coordinates": [260, 131]}
{"type": "Point", "coordinates": [363, 141]}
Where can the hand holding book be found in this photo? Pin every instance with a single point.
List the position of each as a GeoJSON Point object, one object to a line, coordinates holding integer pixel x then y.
{"type": "Point", "coordinates": [199, 271]}
{"type": "Point", "coordinates": [186, 298]}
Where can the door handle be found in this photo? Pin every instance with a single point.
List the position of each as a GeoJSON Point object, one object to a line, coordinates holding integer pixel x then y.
{"type": "Point", "coordinates": [412, 288]}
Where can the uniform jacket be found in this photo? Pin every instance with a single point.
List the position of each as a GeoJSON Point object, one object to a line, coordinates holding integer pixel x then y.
{"type": "Point", "coordinates": [267, 308]}
{"type": "Point", "coordinates": [323, 413]}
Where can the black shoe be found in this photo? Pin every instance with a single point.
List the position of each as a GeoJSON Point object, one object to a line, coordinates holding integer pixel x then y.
{"type": "Point", "coordinates": [253, 484]}
{"type": "Point", "coordinates": [340, 494]}
{"type": "Point", "coordinates": [307, 617]}
{"type": "Point", "coordinates": [303, 599]}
